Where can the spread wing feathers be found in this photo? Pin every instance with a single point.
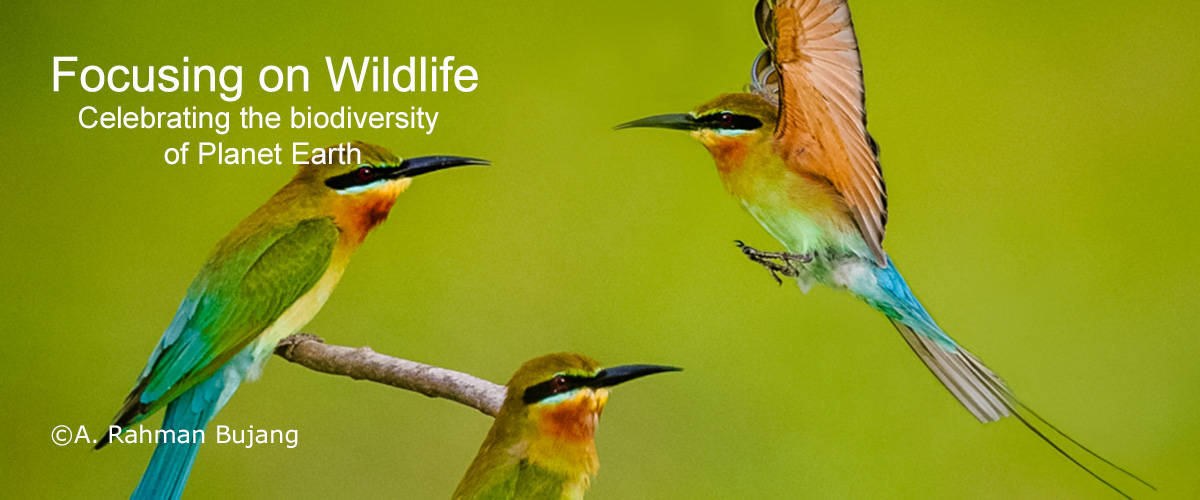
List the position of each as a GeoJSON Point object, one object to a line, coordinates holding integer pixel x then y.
{"type": "Point", "coordinates": [812, 70]}
{"type": "Point", "coordinates": [242, 289]}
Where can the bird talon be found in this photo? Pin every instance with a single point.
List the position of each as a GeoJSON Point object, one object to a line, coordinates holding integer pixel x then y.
{"type": "Point", "coordinates": [786, 264]}
{"type": "Point", "coordinates": [803, 258]}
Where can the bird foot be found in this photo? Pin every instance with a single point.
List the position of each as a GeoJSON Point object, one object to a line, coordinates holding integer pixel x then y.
{"type": "Point", "coordinates": [777, 263]}
{"type": "Point", "coordinates": [285, 346]}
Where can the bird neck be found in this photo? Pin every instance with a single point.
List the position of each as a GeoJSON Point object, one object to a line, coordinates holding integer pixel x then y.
{"type": "Point", "coordinates": [801, 210]}
{"type": "Point", "coordinates": [561, 437]}
{"type": "Point", "coordinates": [356, 214]}
{"type": "Point", "coordinates": [730, 152]}
{"type": "Point", "coordinates": [558, 438]}
{"type": "Point", "coordinates": [746, 164]}
{"type": "Point", "coordinates": [553, 445]}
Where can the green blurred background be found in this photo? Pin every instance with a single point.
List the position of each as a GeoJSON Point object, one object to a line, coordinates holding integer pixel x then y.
{"type": "Point", "coordinates": [1041, 164]}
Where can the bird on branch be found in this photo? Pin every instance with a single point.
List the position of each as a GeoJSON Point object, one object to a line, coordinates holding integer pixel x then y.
{"type": "Point", "coordinates": [541, 445]}
{"type": "Point", "coordinates": [263, 282]}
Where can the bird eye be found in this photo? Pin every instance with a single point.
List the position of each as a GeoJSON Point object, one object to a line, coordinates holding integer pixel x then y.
{"type": "Point", "coordinates": [559, 384]}
{"type": "Point", "coordinates": [727, 119]}
{"type": "Point", "coordinates": [363, 173]}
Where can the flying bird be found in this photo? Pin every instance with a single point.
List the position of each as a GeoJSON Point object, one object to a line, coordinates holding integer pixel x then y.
{"type": "Point", "coordinates": [795, 152]}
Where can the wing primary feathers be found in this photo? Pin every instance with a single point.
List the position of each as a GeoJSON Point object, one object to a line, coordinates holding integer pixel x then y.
{"type": "Point", "coordinates": [264, 277]}
{"type": "Point", "coordinates": [812, 70]}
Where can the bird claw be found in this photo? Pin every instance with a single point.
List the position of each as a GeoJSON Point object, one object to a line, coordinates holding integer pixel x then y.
{"type": "Point", "coordinates": [786, 264]}
{"type": "Point", "coordinates": [285, 346]}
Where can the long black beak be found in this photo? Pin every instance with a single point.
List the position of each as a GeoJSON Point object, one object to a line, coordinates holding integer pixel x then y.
{"type": "Point", "coordinates": [677, 121]}
{"type": "Point", "coordinates": [413, 167]}
{"type": "Point", "coordinates": [609, 377]}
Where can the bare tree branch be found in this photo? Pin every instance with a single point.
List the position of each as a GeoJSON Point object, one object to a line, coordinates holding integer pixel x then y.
{"type": "Point", "coordinates": [310, 351]}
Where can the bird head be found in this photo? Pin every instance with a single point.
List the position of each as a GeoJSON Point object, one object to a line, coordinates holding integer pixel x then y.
{"type": "Point", "coordinates": [377, 170]}
{"type": "Point", "coordinates": [724, 125]}
{"type": "Point", "coordinates": [362, 186]}
{"type": "Point", "coordinates": [554, 403]}
{"type": "Point", "coordinates": [563, 394]}
{"type": "Point", "coordinates": [548, 419]}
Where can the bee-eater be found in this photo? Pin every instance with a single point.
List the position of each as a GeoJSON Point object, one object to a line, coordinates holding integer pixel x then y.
{"type": "Point", "coordinates": [263, 282]}
{"type": "Point", "coordinates": [541, 445]}
{"type": "Point", "coordinates": [795, 152]}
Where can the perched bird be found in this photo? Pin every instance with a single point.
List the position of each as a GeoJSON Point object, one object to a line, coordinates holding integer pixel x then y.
{"type": "Point", "coordinates": [540, 447]}
{"type": "Point", "coordinates": [263, 282]}
{"type": "Point", "coordinates": [795, 152]}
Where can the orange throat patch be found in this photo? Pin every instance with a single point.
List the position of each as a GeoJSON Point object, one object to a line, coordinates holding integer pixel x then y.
{"type": "Point", "coordinates": [566, 431]}
{"type": "Point", "coordinates": [575, 419]}
{"type": "Point", "coordinates": [728, 151]}
{"type": "Point", "coordinates": [357, 214]}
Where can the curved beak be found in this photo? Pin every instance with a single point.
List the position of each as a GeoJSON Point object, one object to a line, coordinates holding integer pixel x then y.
{"type": "Point", "coordinates": [413, 167]}
{"type": "Point", "coordinates": [676, 121]}
{"type": "Point", "coordinates": [618, 374]}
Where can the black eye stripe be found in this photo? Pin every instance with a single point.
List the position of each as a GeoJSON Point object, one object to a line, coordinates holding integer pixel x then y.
{"type": "Point", "coordinates": [556, 385]}
{"type": "Point", "coordinates": [360, 176]}
{"type": "Point", "coordinates": [730, 121]}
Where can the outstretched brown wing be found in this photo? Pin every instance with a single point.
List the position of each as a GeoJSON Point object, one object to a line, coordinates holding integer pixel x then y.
{"type": "Point", "coordinates": [813, 71]}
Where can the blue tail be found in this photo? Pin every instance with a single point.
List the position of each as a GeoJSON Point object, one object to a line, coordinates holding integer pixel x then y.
{"type": "Point", "coordinates": [978, 389]}
{"type": "Point", "coordinates": [168, 471]}
{"type": "Point", "coordinates": [982, 392]}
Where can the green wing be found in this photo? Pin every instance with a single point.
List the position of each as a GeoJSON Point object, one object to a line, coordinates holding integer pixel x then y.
{"type": "Point", "coordinates": [538, 483]}
{"type": "Point", "coordinates": [242, 289]}
{"type": "Point", "coordinates": [525, 482]}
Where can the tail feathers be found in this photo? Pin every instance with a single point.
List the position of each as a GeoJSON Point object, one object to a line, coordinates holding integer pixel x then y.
{"type": "Point", "coordinates": [168, 471]}
{"type": "Point", "coordinates": [975, 386]}
{"type": "Point", "coordinates": [1073, 450]}
{"type": "Point", "coordinates": [986, 396]}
